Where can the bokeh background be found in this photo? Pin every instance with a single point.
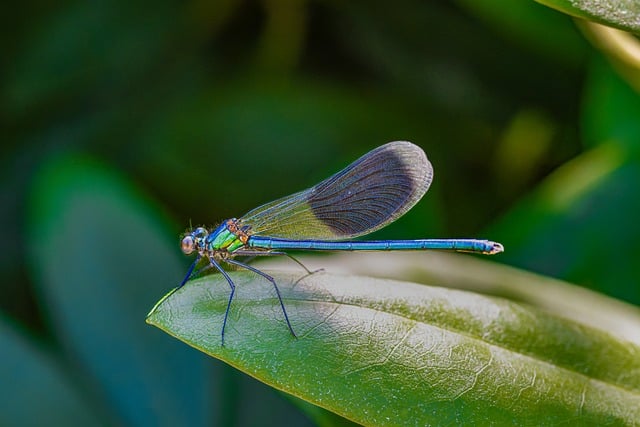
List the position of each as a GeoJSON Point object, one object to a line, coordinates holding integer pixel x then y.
{"type": "Point", "coordinates": [125, 121]}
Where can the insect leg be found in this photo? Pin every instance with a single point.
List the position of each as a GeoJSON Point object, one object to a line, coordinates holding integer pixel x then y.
{"type": "Point", "coordinates": [189, 272]}
{"type": "Point", "coordinates": [233, 290]}
{"type": "Point", "coordinates": [273, 282]}
{"type": "Point", "coordinates": [251, 253]}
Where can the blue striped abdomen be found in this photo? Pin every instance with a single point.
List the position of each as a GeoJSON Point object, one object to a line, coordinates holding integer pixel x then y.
{"type": "Point", "coordinates": [463, 245]}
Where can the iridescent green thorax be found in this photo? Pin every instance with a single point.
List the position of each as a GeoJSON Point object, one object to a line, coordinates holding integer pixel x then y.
{"type": "Point", "coordinates": [227, 237]}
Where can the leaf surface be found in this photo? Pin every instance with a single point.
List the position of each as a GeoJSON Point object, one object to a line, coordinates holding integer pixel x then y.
{"type": "Point", "coordinates": [384, 352]}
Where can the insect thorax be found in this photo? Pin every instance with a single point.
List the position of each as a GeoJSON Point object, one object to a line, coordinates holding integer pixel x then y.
{"type": "Point", "coordinates": [226, 239]}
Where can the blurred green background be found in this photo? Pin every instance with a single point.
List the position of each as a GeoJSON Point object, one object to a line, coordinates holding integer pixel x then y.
{"type": "Point", "coordinates": [124, 122]}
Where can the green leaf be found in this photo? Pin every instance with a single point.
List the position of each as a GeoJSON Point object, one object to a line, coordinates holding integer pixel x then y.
{"type": "Point", "coordinates": [478, 275]}
{"type": "Point", "coordinates": [383, 352]}
{"type": "Point", "coordinates": [35, 387]}
{"type": "Point", "coordinates": [623, 14]}
{"type": "Point", "coordinates": [610, 109]}
{"type": "Point", "coordinates": [97, 240]}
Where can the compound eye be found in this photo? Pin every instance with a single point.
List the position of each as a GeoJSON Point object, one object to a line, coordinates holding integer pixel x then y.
{"type": "Point", "coordinates": [200, 232]}
{"type": "Point", "coordinates": [187, 245]}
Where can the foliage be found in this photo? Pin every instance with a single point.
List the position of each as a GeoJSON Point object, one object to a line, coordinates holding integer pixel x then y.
{"type": "Point", "coordinates": [438, 355]}
{"type": "Point", "coordinates": [213, 108]}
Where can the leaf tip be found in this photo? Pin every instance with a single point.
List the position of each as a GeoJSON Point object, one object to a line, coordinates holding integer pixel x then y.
{"type": "Point", "coordinates": [149, 317]}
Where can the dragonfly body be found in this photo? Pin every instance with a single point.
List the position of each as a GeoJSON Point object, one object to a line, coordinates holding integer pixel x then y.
{"type": "Point", "coordinates": [372, 192]}
{"type": "Point", "coordinates": [229, 240]}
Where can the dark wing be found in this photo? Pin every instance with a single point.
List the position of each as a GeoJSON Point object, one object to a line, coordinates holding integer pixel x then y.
{"type": "Point", "coordinates": [370, 193]}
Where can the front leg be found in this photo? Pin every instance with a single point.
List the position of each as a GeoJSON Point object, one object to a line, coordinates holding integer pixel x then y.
{"type": "Point", "coordinates": [189, 272]}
